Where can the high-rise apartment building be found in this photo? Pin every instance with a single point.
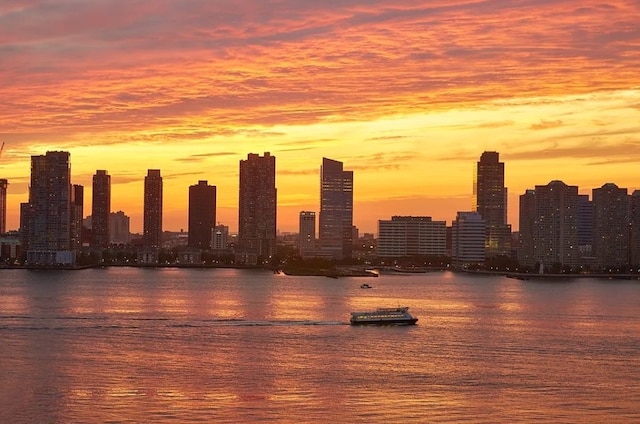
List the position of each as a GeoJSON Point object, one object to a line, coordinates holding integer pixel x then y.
{"type": "Point", "coordinates": [25, 225]}
{"type": "Point", "coordinates": [411, 236]}
{"type": "Point", "coordinates": [555, 227]}
{"type": "Point", "coordinates": [490, 201]}
{"type": "Point", "coordinates": [100, 209]}
{"type": "Point", "coordinates": [307, 233]}
{"type": "Point", "coordinates": [257, 207]}
{"type": "Point", "coordinates": [49, 211]}
{"type": "Point", "coordinates": [635, 229]}
{"type": "Point", "coordinates": [526, 224]}
{"type": "Point", "coordinates": [585, 222]}
{"type": "Point", "coordinates": [468, 239]}
{"type": "Point", "coordinates": [611, 226]}
{"type": "Point", "coordinates": [119, 228]}
{"type": "Point", "coordinates": [202, 215]}
{"type": "Point", "coordinates": [77, 211]}
{"type": "Point", "coordinates": [3, 205]}
{"type": "Point", "coordinates": [152, 220]}
{"type": "Point", "coordinates": [335, 232]}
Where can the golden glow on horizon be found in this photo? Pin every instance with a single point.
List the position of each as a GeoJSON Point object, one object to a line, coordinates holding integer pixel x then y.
{"type": "Point", "coordinates": [408, 96]}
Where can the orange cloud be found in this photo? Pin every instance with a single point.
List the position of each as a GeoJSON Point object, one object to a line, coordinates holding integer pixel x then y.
{"type": "Point", "coordinates": [310, 79]}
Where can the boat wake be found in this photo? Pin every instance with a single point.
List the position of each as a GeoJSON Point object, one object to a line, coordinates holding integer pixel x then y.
{"type": "Point", "coordinates": [62, 323]}
{"type": "Point", "coordinates": [272, 323]}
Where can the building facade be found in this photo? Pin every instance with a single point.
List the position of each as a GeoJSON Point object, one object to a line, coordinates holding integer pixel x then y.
{"type": "Point", "coordinates": [119, 228]}
{"type": "Point", "coordinates": [585, 229]}
{"type": "Point", "coordinates": [100, 209]}
{"type": "Point", "coordinates": [49, 214]}
{"type": "Point", "coordinates": [634, 219]}
{"type": "Point", "coordinates": [335, 232]}
{"type": "Point", "coordinates": [526, 223]}
{"type": "Point", "coordinates": [403, 236]}
{"type": "Point", "coordinates": [202, 215]}
{"type": "Point", "coordinates": [4, 183]}
{"type": "Point", "coordinates": [467, 239]}
{"type": "Point", "coordinates": [555, 226]}
{"type": "Point", "coordinates": [307, 234]}
{"type": "Point", "coordinates": [77, 212]}
{"type": "Point", "coordinates": [611, 231]}
{"type": "Point", "coordinates": [220, 239]}
{"type": "Point", "coordinates": [257, 210]}
{"type": "Point", "coordinates": [490, 201]}
{"type": "Point", "coordinates": [152, 219]}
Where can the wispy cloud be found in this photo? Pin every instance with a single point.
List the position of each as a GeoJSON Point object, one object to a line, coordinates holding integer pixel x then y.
{"type": "Point", "coordinates": [95, 65]}
{"type": "Point", "coordinates": [203, 156]}
{"type": "Point", "coordinates": [545, 125]}
{"type": "Point", "coordinates": [177, 83]}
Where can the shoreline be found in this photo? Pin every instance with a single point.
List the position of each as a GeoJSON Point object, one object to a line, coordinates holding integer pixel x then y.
{"type": "Point", "coordinates": [338, 272]}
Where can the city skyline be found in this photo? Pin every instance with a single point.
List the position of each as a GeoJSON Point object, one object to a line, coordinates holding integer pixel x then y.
{"type": "Point", "coordinates": [406, 93]}
{"type": "Point", "coordinates": [586, 192]}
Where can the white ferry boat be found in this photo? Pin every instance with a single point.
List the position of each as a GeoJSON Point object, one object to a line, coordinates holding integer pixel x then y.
{"type": "Point", "coordinates": [383, 316]}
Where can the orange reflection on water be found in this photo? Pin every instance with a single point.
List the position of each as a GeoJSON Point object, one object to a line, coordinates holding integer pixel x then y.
{"type": "Point", "coordinates": [11, 304]}
{"type": "Point", "coordinates": [292, 307]}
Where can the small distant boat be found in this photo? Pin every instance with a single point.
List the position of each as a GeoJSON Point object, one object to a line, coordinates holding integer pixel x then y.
{"type": "Point", "coordinates": [365, 286]}
{"type": "Point", "coordinates": [384, 316]}
{"type": "Point", "coordinates": [518, 277]}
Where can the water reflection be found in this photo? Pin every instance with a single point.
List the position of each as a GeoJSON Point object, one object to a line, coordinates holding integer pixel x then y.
{"type": "Point", "coordinates": [232, 346]}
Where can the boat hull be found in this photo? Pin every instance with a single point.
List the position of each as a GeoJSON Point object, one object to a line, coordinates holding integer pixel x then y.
{"type": "Point", "coordinates": [399, 321]}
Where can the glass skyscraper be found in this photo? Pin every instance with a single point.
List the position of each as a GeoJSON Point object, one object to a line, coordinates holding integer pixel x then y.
{"type": "Point", "coordinates": [335, 233]}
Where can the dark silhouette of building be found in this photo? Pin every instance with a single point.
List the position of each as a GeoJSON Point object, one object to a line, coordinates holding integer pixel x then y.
{"type": "Point", "coordinates": [585, 230]}
{"type": "Point", "coordinates": [202, 215]}
{"type": "Point", "coordinates": [152, 223]}
{"type": "Point", "coordinates": [335, 232]}
{"type": "Point", "coordinates": [307, 234]}
{"type": "Point", "coordinates": [119, 228]}
{"type": "Point", "coordinates": [555, 227]}
{"type": "Point", "coordinates": [257, 208]}
{"type": "Point", "coordinates": [3, 205]}
{"type": "Point", "coordinates": [77, 212]}
{"type": "Point", "coordinates": [490, 201]}
{"type": "Point", "coordinates": [49, 214]}
{"type": "Point", "coordinates": [611, 226]}
{"type": "Point", "coordinates": [526, 224]}
{"type": "Point", "coordinates": [635, 229]}
{"type": "Point", "coordinates": [100, 209]}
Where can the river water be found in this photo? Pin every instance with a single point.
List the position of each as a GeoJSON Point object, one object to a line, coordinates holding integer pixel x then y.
{"type": "Point", "coordinates": [128, 345]}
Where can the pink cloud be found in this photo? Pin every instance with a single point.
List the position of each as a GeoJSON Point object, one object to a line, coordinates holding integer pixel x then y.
{"type": "Point", "coordinates": [94, 66]}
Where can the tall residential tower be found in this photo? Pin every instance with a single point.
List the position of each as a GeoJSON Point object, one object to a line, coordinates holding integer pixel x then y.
{"type": "Point", "coordinates": [152, 222]}
{"type": "Point", "coordinates": [3, 205]}
{"type": "Point", "coordinates": [49, 211]}
{"type": "Point", "coordinates": [611, 227]}
{"type": "Point", "coordinates": [552, 227]}
{"type": "Point", "coordinates": [202, 215]}
{"type": "Point", "coordinates": [490, 201]}
{"type": "Point", "coordinates": [257, 207]}
{"type": "Point", "coordinates": [100, 209]}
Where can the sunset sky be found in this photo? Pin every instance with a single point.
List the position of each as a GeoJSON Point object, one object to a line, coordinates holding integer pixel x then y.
{"type": "Point", "coordinates": [407, 93]}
